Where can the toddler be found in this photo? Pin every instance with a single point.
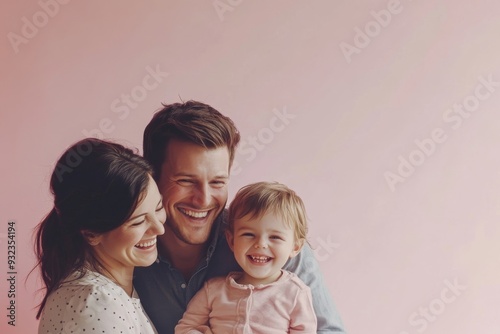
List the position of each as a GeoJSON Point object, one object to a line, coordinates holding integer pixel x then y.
{"type": "Point", "coordinates": [266, 226]}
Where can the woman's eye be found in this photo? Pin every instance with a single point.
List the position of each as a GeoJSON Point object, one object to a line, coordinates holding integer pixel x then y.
{"type": "Point", "coordinates": [247, 235]}
{"type": "Point", "coordinates": [138, 223]}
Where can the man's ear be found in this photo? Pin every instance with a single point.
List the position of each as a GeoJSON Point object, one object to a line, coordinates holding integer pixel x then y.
{"type": "Point", "coordinates": [230, 239]}
{"type": "Point", "coordinates": [92, 238]}
{"type": "Point", "coordinates": [297, 247]}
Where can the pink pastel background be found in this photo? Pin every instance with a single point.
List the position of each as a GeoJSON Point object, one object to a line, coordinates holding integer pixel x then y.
{"type": "Point", "coordinates": [347, 120]}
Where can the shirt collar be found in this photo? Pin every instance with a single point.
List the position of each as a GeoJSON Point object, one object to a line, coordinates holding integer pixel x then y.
{"type": "Point", "coordinates": [233, 276]}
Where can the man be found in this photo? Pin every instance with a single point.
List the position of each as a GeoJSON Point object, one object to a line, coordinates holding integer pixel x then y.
{"type": "Point", "coordinates": [191, 147]}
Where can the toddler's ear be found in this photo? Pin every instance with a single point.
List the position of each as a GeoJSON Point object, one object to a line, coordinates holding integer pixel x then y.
{"type": "Point", "coordinates": [297, 247]}
{"type": "Point", "coordinates": [230, 239]}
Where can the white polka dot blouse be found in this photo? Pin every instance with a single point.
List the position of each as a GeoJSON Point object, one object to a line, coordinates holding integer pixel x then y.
{"type": "Point", "coordinates": [93, 304]}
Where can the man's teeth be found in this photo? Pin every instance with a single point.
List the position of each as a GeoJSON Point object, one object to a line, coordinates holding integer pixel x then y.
{"type": "Point", "coordinates": [195, 214]}
{"type": "Point", "coordinates": [261, 259]}
{"type": "Point", "coordinates": [146, 244]}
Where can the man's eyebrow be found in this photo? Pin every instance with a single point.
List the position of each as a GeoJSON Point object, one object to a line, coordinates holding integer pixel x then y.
{"type": "Point", "coordinates": [219, 176]}
{"type": "Point", "coordinates": [184, 174]}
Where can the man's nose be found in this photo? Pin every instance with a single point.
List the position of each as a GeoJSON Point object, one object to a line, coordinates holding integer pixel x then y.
{"type": "Point", "coordinates": [202, 196]}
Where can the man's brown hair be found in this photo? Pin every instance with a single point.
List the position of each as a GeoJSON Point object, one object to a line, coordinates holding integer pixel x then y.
{"type": "Point", "coordinates": [192, 122]}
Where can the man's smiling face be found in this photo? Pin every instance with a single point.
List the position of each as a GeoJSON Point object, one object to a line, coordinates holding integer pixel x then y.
{"type": "Point", "coordinates": [193, 183]}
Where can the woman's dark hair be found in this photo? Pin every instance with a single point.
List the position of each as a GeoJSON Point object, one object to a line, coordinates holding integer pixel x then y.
{"type": "Point", "coordinates": [96, 187]}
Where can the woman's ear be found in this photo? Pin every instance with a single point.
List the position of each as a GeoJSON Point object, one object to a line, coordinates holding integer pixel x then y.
{"type": "Point", "coordinates": [230, 239]}
{"type": "Point", "coordinates": [297, 247]}
{"type": "Point", "coordinates": [92, 238]}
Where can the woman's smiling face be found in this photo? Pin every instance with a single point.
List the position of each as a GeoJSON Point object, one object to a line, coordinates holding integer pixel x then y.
{"type": "Point", "coordinates": [134, 242]}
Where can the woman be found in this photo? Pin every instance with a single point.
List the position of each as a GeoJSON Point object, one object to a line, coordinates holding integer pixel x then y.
{"type": "Point", "coordinates": [106, 216]}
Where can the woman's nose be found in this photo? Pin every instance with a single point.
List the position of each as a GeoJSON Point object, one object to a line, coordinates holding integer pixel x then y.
{"type": "Point", "coordinates": [157, 226]}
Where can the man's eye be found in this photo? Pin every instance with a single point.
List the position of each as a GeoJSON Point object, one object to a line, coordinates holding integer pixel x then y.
{"type": "Point", "coordinates": [185, 181]}
{"type": "Point", "coordinates": [219, 183]}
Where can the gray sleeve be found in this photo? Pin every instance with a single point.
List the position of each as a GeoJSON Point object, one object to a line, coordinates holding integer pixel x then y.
{"type": "Point", "coordinates": [306, 267]}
